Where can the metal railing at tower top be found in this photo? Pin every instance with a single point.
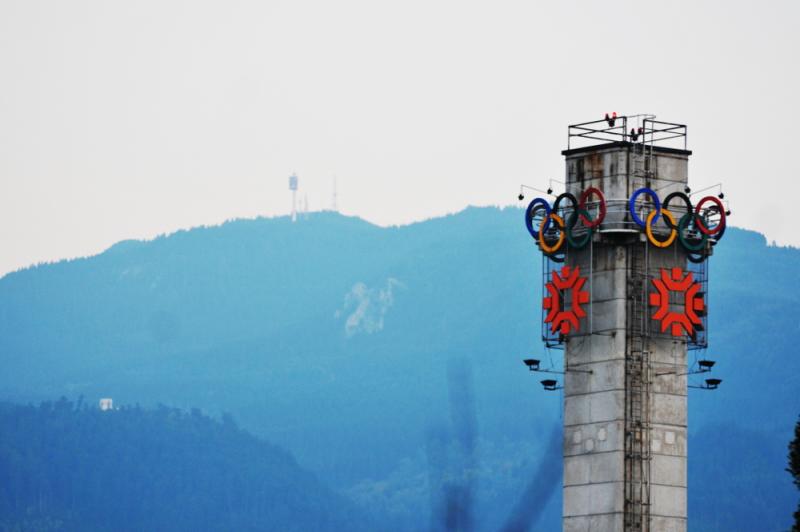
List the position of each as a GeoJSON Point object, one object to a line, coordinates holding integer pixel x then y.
{"type": "Point", "coordinates": [636, 129]}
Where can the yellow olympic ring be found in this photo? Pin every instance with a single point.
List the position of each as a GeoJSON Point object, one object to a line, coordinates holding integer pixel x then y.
{"type": "Point", "coordinates": [559, 222]}
{"type": "Point", "coordinates": [648, 227]}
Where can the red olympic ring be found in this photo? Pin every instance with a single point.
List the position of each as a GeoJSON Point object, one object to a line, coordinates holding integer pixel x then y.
{"type": "Point", "coordinates": [699, 220]}
{"type": "Point", "coordinates": [591, 224]}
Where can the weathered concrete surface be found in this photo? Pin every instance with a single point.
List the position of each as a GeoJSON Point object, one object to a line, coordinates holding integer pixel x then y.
{"type": "Point", "coordinates": [594, 404]}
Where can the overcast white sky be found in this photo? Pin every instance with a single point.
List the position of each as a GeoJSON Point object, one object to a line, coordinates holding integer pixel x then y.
{"type": "Point", "coordinates": [127, 119]}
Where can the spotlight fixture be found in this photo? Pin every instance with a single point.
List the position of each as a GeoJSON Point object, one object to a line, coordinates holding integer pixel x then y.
{"type": "Point", "coordinates": [721, 195]}
{"type": "Point", "coordinates": [521, 197]}
{"type": "Point", "coordinates": [687, 190]}
{"type": "Point", "coordinates": [705, 365]}
{"type": "Point", "coordinates": [550, 384]}
{"type": "Point", "coordinates": [549, 190]}
{"type": "Point", "coordinates": [727, 213]}
{"type": "Point", "coordinates": [711, 384]}
{"type": "Point", "coordinates": [532, 364]}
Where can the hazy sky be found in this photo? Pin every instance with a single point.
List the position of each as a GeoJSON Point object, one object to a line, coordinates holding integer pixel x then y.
{"type": "Point", "coordinates": [130, 119]}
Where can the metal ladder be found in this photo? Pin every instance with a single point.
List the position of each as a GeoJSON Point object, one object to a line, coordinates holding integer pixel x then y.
{"type": "Point", "coordinates": [637, 396]}
{"type": "Point", "coordinates": [642, 169]}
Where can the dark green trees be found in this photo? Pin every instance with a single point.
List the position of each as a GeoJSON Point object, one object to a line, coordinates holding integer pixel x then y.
{"type": "Point", "coordinates": [65, 466]}
{"type": "Point", "coordinates": [794, 469]}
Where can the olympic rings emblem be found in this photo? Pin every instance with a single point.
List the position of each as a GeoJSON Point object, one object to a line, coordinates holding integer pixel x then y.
{"type": "Point", "coordinates": [693, 228]}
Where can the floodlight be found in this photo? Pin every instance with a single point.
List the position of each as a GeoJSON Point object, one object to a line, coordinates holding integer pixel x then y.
{"type": "Point", "coordinates": [550, 384]}
{"type": "Point", "coordinates": [705, 365]}
{"type": "Point", "coordinates": [532, 364]}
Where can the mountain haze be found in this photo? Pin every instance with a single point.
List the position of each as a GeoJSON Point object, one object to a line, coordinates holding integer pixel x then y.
{"type": "Point", "coordinates": [388, 360]}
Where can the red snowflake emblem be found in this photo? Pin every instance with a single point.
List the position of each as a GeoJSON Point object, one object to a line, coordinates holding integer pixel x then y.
{"type": "Point", "coordinates": [681, 322]}
{"type": "Point", "coordinates": [558, 317]}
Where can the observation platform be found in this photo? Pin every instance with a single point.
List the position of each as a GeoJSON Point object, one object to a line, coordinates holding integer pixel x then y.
{"type": "Point", "coordinates": [642, 131]}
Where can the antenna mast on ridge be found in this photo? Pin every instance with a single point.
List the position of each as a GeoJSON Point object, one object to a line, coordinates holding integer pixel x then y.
{"type": "Point", "coordinates": [293, 188]}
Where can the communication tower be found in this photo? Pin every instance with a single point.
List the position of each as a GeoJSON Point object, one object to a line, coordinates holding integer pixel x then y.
{"type": "Point", "coordinates": [625, 284]}
{"type": "Point", "coordinates": [293, 188]}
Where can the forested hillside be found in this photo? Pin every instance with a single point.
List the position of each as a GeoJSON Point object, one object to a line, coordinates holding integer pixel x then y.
{"type": "Point", "coordinates": [388, 360]}
{"type": "Point", "coordinates": [66, 467]}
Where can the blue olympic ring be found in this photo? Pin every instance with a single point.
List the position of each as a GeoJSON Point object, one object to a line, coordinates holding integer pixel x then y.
{"type": "Point", "coordinates": [529, 216]}
{"type": "Point", "coordinates": [632, 205]}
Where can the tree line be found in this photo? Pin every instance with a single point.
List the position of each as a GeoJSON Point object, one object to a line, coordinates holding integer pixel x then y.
{"type": "Point", "coordinates": [67, 466]}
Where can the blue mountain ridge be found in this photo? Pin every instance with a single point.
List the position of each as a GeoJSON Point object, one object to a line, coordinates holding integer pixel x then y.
{"type": "Point", "coordinates": [388, 360]}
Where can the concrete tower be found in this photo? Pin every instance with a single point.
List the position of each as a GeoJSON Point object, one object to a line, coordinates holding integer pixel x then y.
{"type": "Point", "coordinates": [625, 282]}
{"type": "Point", "coordinates": [624, 429]}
